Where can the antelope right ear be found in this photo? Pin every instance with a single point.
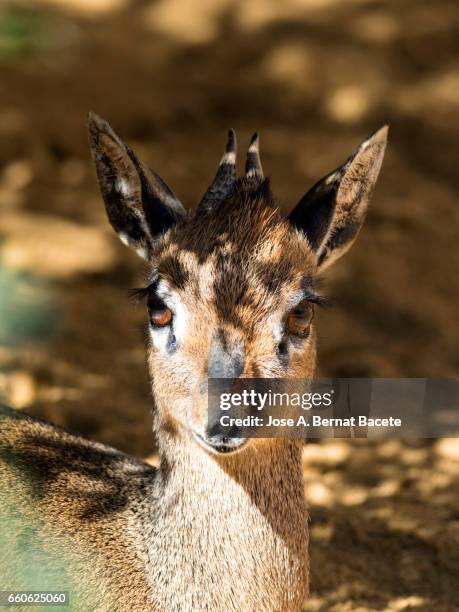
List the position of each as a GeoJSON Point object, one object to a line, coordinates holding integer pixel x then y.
{"type": "Point", "coordinates": [332, 212]}
{"type": "Point", "coordinates": [140, 206]}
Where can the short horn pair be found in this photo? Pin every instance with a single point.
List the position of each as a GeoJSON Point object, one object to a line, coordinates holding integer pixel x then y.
{"type": "Point", "coordinates": [225, 179]}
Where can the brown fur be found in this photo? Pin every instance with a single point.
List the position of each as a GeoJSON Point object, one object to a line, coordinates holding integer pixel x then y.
{"type": "Point", "coordinates": [120, 535]}
{"type": "Point", "coordinates": [204, 532]}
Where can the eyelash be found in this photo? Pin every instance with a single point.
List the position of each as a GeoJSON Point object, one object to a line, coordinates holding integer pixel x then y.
{"type": "Point", "coordinates": [140, 294]}
{"type": "Point", "coordinates": [320, 300]}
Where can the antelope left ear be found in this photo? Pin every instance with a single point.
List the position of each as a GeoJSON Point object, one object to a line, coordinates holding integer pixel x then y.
{"type": "Point", "coordinates": [332, 212]}
{"type": "Point", "coordinates": [139, 205]}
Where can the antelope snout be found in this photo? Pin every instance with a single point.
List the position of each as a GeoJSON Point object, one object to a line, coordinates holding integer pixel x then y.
{"type": "Point", "coordinates": [219, 439]}
{"type": "Point", "coordinates": [226, 357]}
{"type": "Point", "coordinates": [224, 439]}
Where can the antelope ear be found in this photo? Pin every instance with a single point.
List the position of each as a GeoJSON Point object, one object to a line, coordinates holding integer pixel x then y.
{"type": "Point", "coordinates": [332, 212]}
{"type": "Point", "coordinates": [140, 206]}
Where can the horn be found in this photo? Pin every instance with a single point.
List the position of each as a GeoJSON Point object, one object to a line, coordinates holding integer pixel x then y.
{"type": "Point", "coordinates": [253, 163]}
{"type": "Point", "coordinates": [224, 180]}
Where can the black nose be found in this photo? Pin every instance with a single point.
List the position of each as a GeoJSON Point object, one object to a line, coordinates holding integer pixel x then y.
{"type": "Point", "coordinates": [224, 439]}
{"type": "Point", "coordinates": [216, 431]}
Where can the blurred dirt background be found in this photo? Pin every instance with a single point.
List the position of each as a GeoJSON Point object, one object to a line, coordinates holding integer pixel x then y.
{"type": "Point", "coordinates": [315, 77]}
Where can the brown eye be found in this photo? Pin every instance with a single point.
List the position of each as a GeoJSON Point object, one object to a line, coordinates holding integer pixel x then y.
{"type": "Point", "coordinates": [160, 315]}
{"type": "Point", "coordinates": [300, 318]}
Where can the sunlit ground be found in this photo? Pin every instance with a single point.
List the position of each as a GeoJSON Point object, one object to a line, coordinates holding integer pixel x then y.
{"type": "Point", "coordinates": [384, 528]}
